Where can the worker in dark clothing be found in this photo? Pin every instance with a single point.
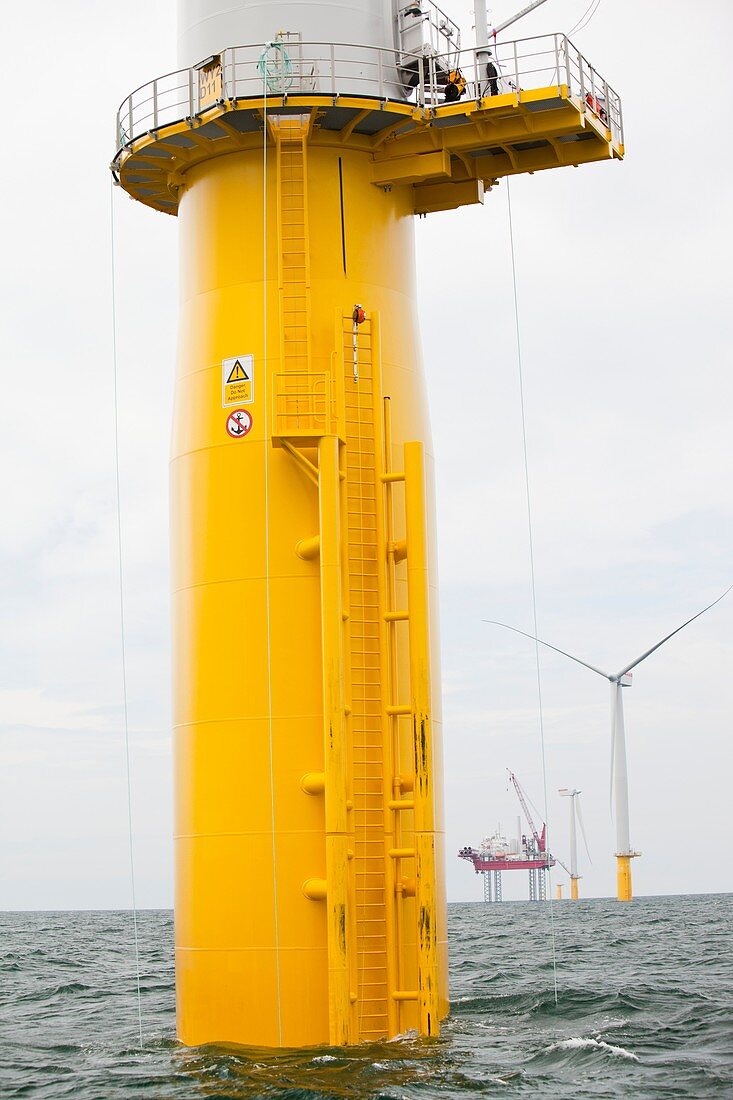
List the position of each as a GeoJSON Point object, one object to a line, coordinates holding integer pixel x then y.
{"type": "Point", "coordinates": [492, 75]}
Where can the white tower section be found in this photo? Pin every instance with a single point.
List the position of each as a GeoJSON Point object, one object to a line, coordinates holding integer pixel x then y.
{"type": "Point", "coordinates": [206, 27]}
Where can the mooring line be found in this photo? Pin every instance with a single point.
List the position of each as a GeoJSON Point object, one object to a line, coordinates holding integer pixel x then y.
{"type": "Point", "coordinates": [532, 575]}
{"type": "Point", "coordinates": [122, 610]}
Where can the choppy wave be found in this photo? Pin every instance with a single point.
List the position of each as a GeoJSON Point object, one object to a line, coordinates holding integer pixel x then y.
{"type": "Point", "coordinates": [642, 1008]}
{"type": "Point", "coordinates": [592, 1045]}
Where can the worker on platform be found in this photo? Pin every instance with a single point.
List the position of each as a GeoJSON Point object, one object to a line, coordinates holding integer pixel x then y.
{"type": "Point", "coordinates": [492, 75]}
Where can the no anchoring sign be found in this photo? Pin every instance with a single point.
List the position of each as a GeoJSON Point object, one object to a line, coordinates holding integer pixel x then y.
{"type": "Point", "coordinates": [239, 424]}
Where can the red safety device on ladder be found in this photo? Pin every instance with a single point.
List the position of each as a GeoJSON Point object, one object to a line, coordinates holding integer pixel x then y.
{"type": "Point", "coordinates": [358, 316]}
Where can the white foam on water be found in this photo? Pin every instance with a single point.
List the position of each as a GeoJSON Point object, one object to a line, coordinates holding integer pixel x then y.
{"type": "Point", "coordinates": [597, 1044]}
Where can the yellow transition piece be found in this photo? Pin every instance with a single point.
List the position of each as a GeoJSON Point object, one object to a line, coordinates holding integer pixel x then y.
{"type": "Point", "coordinates": [309, 837]}
{"type": "Point", "coordinates": [623, 878]}
{"type": "Point", "coordinates": [310, 895]}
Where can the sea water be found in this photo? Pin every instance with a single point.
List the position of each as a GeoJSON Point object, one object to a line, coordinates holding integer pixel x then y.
{"type": "Point", "coordinates": [644, 1009]}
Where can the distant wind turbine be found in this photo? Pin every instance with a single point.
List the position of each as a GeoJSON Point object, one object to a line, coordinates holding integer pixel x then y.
{"type": "Point", "coordinates": [619, 777]}
{"type": "Point", "coordinates": [575, 815]}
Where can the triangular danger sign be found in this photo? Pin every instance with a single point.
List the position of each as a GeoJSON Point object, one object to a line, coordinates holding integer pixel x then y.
{"type": "Point", "coordinates": [237, 374]}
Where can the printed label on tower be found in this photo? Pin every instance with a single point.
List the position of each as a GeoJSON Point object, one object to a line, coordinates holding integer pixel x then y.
{"type": "Point", "coordinates": [210, 81]}
{"type": "Point", "coordinates": [239, 424]}
{"type": "Point", "coordinates": [237, 380]}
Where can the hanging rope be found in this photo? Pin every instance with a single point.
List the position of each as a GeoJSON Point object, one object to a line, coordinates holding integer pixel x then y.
{"type": "Point", "coordinates": [122, 610]}
{"type": "Point", "coordinates": [585, 17]}
{"type": "Point", "coordinates": [266, 390]}
{"type": "Point", "coordinates": [532, 576]}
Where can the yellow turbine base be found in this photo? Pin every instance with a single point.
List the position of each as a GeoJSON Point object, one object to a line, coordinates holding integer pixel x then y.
{"type": "Point", "coordinates": [310, 894]}
{"type": "Point", "coordinates": [623, 878]}
{"type": "Point", "coordinates": [574, 889]}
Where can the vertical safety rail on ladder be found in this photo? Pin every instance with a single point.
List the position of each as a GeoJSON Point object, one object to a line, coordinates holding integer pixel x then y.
{"type": "Point", "coordinates": [387, 679]}
{"type": "Point", "coordinates": [397, 886]}
{"type": "Point", "coordinates": [421, 705]}
{"type": "Point", "coordinates": [352, 928]}
{"type": "Point", "coordinates": [335, 757]}
{"type": "Point", "coordinates": [418, 711]}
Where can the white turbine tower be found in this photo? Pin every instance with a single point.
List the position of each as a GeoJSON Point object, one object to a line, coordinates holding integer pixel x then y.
{"type": "Point", "coordinates": [619, 776]}
{"type": "Point", "coordinates": [575, 817]}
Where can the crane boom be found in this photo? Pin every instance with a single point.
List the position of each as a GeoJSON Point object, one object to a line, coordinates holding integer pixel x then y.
{"type": "Point", "coordinates": [519, 14]}
{"type": "Point", "coordinates": [539, 840]}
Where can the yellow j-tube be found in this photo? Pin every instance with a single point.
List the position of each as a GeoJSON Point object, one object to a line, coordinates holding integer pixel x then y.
{"type": "Point", "coordinates": [309, 849]}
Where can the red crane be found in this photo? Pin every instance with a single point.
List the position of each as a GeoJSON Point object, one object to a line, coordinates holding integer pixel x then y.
{"type": "Point", "coordinates": [540, 839]}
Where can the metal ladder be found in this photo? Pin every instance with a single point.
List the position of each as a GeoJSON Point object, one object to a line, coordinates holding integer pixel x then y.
{"type": "Point", "coordinates": [369, 874]}
{"type": "Point", "coordinates": [411, 867]}
{"type": "Point", "coordinates": [293, 249]}
{"type": "Point", "coordinates": [362, 432]}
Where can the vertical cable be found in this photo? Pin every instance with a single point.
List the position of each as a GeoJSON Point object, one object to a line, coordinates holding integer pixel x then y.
{"type": "Point", "coordinates": [532, 575]}
{"type": "Point", "coordinates": [122, 607]}
{"type": "Point", "coordinates": [266, 390]}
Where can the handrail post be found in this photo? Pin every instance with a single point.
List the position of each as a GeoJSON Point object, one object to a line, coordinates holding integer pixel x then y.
{"type": "Point", "coordinates": [379, 70]}
{"type": "Point", "coordinates": [155, 104]}
{"type": "Point", "coordinates": [130, 132]}
{"type": "Point", "coordinates": [421, 703]}
{"type": "Point", "coordinates": [190, 93]}
{"type": "Point", "coordinates": [340, 1010]}
{"type": "Point", "coordinates": [567, 66]}
{"type": "Point", "coordinates": [516, 68]}
{"type": "Point", "coordinates": [333, 72]}
{"type": "Point", "coordinates": [421, 90]}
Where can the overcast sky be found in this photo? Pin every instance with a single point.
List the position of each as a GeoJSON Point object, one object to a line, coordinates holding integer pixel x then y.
{"type": "Point", "coordinates": [624, 287]}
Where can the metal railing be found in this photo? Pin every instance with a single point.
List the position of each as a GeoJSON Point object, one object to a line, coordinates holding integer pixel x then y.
{"type": "Point", "coordinates": [334, 69]}
{"type": "Point", "coordinates": [305, 404]}
{"type": "Point", "coordinates": [424, 28]}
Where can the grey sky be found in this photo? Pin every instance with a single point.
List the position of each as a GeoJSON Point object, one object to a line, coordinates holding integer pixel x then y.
{"type": "Point", "coordinates": [625, 305]}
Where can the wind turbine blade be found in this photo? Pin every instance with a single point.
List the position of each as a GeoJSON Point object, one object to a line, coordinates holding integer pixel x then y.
{"type": "Point", "coordinates": [666, 639]}
{"type": "Point", "coordinates": [532, 638]}
{"type": "Point", "coordinates": [558, 860]}
{"type": "Point", "coordinates": [614, 695]}
{"type": "Point", "coordinates": [582, 827]}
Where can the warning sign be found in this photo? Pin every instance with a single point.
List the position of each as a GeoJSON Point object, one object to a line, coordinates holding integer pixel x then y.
{"type": "Point", "coordinates": [239, 424]}
{"type": "Point", "coordinates": [237, 380]}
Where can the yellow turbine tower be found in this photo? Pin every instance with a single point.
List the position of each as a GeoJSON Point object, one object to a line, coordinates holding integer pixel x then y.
{"type": "Point", "coordinates": [310, 896]}
{"type": "Point", "coordinates": [576, 818]}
